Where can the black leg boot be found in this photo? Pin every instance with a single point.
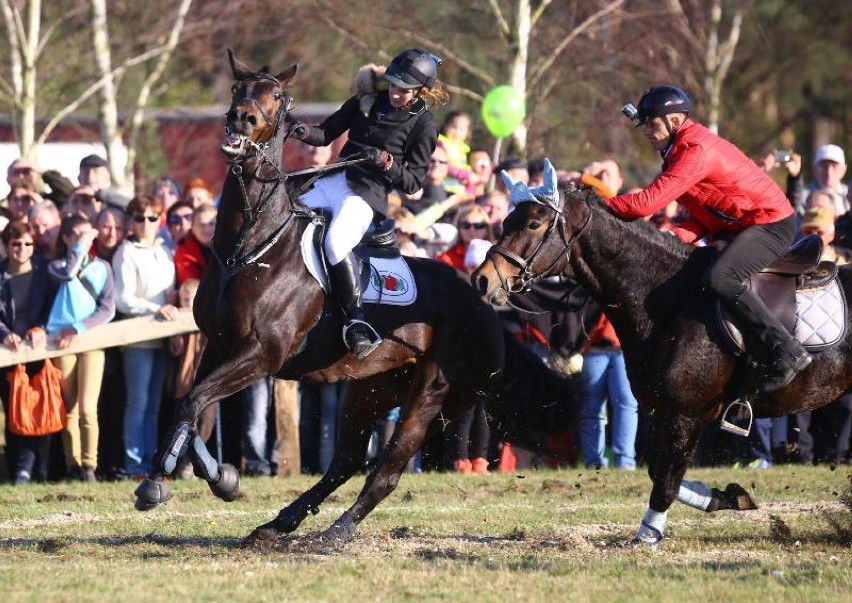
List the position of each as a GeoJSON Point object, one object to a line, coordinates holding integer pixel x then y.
{"type": "Point", "coordinates": [784, 356]}
{"type": "Point", "coordinates": [358, 335]}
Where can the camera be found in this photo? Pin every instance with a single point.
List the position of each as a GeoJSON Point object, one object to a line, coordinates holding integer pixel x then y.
{"type": "Point", "coordinates": [630, 110]}
{"type": "Point", "coordinates": [782, 156]}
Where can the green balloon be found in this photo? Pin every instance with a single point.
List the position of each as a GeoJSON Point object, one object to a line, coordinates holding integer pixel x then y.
{"type": "Point", "coordinates": [503, 110]}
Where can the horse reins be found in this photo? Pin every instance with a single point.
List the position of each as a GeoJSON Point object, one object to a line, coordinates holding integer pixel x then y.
{"type": "Point", "coordinates": [521, 282]}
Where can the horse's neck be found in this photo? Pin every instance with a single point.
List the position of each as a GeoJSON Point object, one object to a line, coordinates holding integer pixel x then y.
{"type": "Point", "coordinates": [625, 271]}
{"type": "Point", "coordinates": [255, 185]}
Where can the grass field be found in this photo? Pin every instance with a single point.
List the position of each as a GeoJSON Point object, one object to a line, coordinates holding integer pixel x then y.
{"type": "Point", "coordinates": [537, 536]}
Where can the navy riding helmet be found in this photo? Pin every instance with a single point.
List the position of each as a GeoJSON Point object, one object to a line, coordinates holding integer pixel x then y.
{"type": "Point", "coordinates": [413, 68]}
{"type": "Point", "coordinates": [662, 100]}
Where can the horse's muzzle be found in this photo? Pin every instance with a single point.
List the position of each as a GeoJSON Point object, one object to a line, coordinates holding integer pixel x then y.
{"type": "Point", "coordinates": [497, 296]}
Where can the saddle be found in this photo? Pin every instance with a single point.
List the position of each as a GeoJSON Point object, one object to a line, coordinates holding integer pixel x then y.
{"type": "Point", "coordinates": [802, 292]}
{"type": "Point", "coordinates": [386, 277]}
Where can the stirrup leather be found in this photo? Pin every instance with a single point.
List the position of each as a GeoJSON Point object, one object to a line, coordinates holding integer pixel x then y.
{"type": "Point", "coordinates": [737, 418]}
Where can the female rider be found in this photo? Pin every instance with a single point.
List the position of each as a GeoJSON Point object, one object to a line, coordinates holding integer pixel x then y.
{"type": "Point", "coordinates": [396, 134]}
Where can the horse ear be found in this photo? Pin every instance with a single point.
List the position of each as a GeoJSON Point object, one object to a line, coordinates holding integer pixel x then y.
{"type": "Point", "coordinates": [239, 68]}
{"type": "Point", "coordinates": [287, 76]}
{"type": "Point", "coordinates": [507, 180]}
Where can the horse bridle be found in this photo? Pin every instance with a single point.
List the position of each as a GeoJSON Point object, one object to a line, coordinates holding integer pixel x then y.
{"type": "Point", "coordinates": [521, 282]}
{"type": "Point", "coordinates": [251, 213]}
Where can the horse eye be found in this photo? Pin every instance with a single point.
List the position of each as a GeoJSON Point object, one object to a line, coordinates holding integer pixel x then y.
{"type": "Point", "coordinates": [277, 96]}
{"type": "Point", "coordinates": [234, 88]}
{"type": "Point", "coordinates": [534, 225]}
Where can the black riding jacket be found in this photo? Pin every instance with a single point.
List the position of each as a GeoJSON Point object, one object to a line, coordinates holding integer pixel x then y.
{"type": "Point", "coordinates": [409, 134]}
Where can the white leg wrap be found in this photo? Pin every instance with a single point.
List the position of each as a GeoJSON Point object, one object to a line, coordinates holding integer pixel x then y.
{"type": "Point", "coordinates": [695, 495]}
{"type": "Point", "coordinates": [652, 527]}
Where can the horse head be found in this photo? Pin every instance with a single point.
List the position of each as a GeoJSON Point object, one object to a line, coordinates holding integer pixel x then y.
{"type": "Point", "coordinates": [259, 105]}
{"type": "Point", "coordinates": [537, 238]}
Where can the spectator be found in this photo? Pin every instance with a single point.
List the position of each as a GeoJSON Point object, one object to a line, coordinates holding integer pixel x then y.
{"type": "Point", "coordinates": [197, 192]}
{"type": "Point", "coordinates": [25, 171]}
{"type": "Point", "coordinates": [193, 251]}
{"type": "Point", "coordinates": [167, 190]}
{"type": "Point", "coordinates": [94, 173]}
{"type": "Point", "coordinates": [22, 198]}
{"type": "Point", "coordinates": [480, 163]}
{"type": "Point", "coordinates": [433, 185]}
{"type": "Point", "coordinates": [82, 201]}
{"type": "Point", "coordinates": [608, 172]}
{"type": "Point", "coordinates": [517, 170]}
{"type": "Point", "coordinates": [470, 429]}
{"type": "Point", "coordinates": [45, 220]}
{"type": "Point", "coordinates": [111, 225]}
{"type": "Point", "coordinates": [26, 295]}
{"type": "Point", "coordinates": [496, 205]}
{"type": "Point", "coordinates": [178, 224]}
{"type": "Point", "coordinates": [144, 281]}
{"type": "Point", "coordinates": [85, 299]}
{"type": "Point", "coordinates": [454, 136]}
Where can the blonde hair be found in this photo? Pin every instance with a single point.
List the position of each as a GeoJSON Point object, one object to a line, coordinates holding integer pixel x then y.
{"type": "Point", "coordinates": [434, 96]}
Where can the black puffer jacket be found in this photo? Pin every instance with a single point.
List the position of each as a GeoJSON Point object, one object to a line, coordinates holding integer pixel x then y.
{"type": "Point", "coordinates": [409, 134]}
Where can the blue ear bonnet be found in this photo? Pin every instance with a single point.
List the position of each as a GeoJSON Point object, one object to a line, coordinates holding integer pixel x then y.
{"type": "Point", "coordinates": [546, 194]}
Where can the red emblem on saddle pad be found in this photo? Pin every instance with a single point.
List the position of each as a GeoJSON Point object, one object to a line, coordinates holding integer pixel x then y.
{"type": "Point", "coordinates": [389, 282]}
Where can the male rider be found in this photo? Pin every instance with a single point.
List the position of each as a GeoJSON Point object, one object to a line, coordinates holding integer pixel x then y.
{"type": "Point", "coordinates": [729, 197]}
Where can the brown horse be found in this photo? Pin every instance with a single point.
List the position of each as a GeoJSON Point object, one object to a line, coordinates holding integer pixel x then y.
{"type": "Point", "coordinates": [648, 283]}
{"type": "Point", "coordinates": [263, 314]}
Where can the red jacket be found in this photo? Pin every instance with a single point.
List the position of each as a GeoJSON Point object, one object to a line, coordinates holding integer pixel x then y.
{"type": "Point", "coordinates": [722, 188]}
{"type": "Point", "coordinates": [454, 256]}
{"type": "Point", "coordinates": [190, 259]}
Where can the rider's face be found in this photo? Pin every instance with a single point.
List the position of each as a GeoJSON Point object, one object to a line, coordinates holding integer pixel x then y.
{"type": "Point", "coordinates": [656, 133]}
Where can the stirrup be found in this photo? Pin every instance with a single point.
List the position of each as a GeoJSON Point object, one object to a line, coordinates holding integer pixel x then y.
{"type": "Point", "coordinates": [737, 417]}
{"type": "Point", "coordinates": [375, 338]}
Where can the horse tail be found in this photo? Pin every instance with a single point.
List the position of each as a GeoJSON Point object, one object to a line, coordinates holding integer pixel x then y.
{"type": "Point", "coordinates": [530, 402]}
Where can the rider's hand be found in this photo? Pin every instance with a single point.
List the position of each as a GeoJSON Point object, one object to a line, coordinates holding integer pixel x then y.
{"type": "Point", "coordinates": [378, 158]}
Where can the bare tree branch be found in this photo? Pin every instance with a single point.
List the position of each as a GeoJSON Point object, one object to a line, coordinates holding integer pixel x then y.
{"type": "Point", "coordinates": [505, 30]}
{"type": "Point", "coordinates": [539, 12]}
{"type": "Point", "coordinates": [546, 62]}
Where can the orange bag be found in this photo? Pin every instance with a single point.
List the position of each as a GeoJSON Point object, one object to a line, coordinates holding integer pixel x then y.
{"type": "Point", "coordinates": [35, 405]}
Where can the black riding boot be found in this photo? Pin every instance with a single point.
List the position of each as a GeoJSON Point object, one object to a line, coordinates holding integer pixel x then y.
{"type": "Point", "coordinates": [358, 335]}
{"type": "Point", "coordinates": [783, 356]}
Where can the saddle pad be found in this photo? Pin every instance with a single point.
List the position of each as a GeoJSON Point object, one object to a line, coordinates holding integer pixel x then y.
{"type": "Point", "coordinates": [389, 280]}
{"type": "Point", "coordinates": [820, 319]}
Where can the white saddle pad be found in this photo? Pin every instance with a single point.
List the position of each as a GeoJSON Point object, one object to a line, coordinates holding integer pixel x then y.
{"type": "Point", "coordinates": [391, 281]}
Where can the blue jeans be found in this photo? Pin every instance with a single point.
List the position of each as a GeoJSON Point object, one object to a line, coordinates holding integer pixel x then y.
{"type": "Point", "coordinates": [145, 374]}
{"type": "Point", "coordinates": [604, 377]}
{"type": "Point", "coordinates": [256, 400]}
{"type": "Point", "coordinates": [331, 396]}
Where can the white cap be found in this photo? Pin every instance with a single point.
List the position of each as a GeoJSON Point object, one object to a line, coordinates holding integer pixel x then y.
{"type": "Point", "coordinates": [475, 254]}
{"type": "Point", "coordinates": [830, 152]}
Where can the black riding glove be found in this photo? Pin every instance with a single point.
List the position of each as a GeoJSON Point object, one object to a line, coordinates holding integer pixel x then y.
{"type": "Point", "coordinates": [378, 158]}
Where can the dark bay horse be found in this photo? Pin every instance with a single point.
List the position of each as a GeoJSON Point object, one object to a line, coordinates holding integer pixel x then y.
{"type": "Point", "coordinates": [263, 314]}
{"type": "Point", "coordinates": [649, 285]}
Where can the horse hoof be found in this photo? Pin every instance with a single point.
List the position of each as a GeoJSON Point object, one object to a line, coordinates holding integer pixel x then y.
{"type": "Point", "coordinates": [227, 487]}
{"type": "Point", "coordinates": [151, 493]}
{"type": "Point", "coordinates": [340, 531]}
{"type": "Point", "coordinates": [739, 498]}
{"type": "Point", "coordinates": [647, 536]}
{"type": "Point", "coordinates": [262, 536]}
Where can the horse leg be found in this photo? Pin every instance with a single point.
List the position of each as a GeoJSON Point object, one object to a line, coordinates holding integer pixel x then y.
{"type": "Point", "coordinates": [358, 415]}
{"type": "Point", "coordinates": [697, 495]}
{"type": "Point", "coordinates": [675, 439]}
{"type": "Point", "coordinates": [215, 380]}
{"type": "Point", "coordinates": [428, 393]}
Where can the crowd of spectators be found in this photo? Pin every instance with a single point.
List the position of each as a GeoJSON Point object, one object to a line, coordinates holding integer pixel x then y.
{"type": "Point", "coordinates": [78, 256]}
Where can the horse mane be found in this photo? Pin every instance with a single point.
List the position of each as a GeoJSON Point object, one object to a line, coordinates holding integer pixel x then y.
{"type": "Point", "coordinates": [643, 231]}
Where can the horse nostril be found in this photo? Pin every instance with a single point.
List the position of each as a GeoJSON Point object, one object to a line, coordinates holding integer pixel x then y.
{"type": "Point", "coordinates": [480, 283]}
{"type": "Point", "coordinates": [252, 120]}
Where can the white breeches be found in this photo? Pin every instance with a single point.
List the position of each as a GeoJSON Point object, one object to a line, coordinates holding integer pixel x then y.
{"type": "Point", "coordinates": [351, 216]}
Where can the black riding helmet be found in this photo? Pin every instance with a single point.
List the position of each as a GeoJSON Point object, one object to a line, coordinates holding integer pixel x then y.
{"type": "Point", "coordinates": [662, 100]}
{"type": "Point", "coordinates": [413, 68]}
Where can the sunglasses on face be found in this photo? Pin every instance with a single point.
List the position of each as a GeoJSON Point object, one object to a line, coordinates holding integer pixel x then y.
{"type": "Point", "coordinates": [176, 219]}
{"type": "Point", "coordinates": [438, 162]}
{"type": "Point", "coordinates": [140, 218]}
{"type": "Point", "coordinates": [19, 244]}
{"type": "Point", "coordinates": [23, 199]}
{"type": "Point", "coordinates": [464, 224]}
